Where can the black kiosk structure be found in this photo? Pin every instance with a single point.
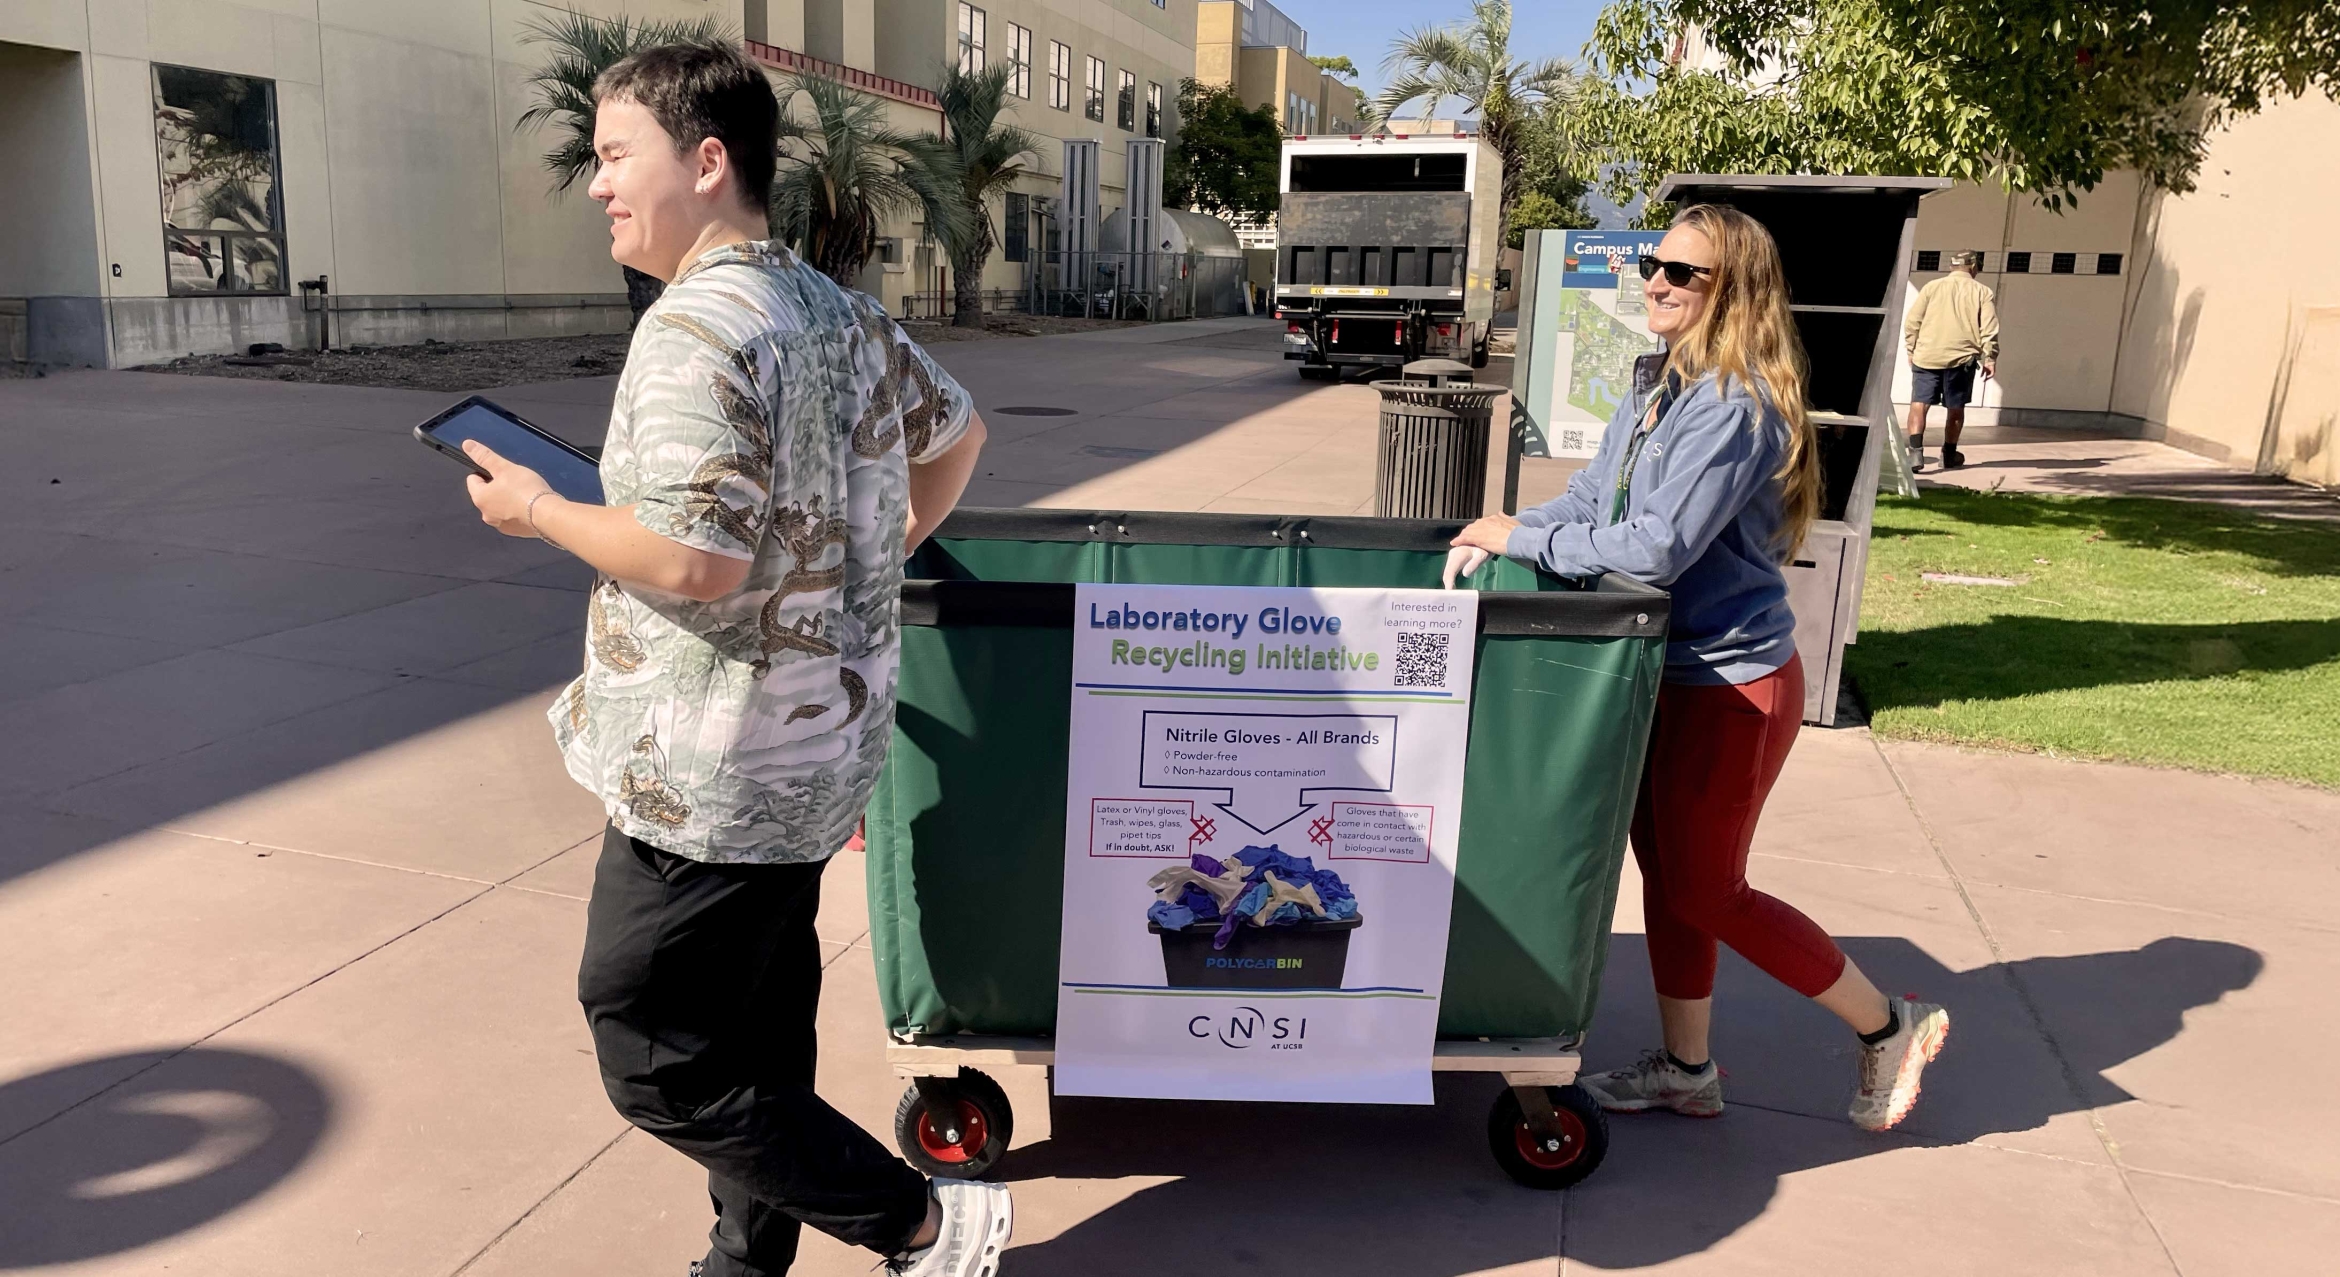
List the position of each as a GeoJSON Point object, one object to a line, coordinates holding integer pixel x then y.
{"type": "Point", "coordinates": [1847, 244]}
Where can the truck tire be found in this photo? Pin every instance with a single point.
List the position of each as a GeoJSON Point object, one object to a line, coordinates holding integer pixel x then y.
{"type": "Point", "coordinates": [1479, 353]}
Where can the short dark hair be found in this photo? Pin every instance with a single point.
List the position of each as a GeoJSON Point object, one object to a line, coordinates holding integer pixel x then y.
{"type": "Point", "coordinates": [697, 91]}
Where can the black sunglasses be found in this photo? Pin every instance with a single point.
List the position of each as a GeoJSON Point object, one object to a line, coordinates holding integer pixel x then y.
{"type": "Point", "coordinates": [1677, 273]}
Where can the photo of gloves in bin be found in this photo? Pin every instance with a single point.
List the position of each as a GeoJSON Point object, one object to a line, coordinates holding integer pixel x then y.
{"type": "Point", "coordinates": [1260, 919]}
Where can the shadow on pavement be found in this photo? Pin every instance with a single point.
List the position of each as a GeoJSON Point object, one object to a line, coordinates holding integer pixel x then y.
{"type": "Point", "coordinates": [1414, 1191]}
{"type": "Point", "coordinates": [188, 1138]}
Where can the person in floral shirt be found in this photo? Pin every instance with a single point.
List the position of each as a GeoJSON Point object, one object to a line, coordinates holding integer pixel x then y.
{"type": "Point", "coordinates": [775, 448]}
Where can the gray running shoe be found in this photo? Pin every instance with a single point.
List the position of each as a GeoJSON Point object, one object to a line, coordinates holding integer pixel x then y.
{"type": "Point", "coordinates": [1656, 1082]}
{"type": "Point", "coordinates": [976, 1220]}
{"type": "Point", "coordinates": [1890, 1069]}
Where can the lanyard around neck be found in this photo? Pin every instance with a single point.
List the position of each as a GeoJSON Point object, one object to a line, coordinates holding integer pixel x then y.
{"type": "Point", "coordinates": [1661, 398]}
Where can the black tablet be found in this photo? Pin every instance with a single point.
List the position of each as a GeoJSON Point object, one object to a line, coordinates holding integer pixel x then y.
{"type": "Point", "coordinates": [570, 472]}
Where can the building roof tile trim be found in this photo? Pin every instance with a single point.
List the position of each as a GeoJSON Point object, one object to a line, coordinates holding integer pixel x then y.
{"type": "Point", "coordinates": [773, 55]}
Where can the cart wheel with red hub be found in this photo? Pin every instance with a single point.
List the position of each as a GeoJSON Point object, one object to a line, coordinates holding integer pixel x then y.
{"type": "Point", "coordinates": [1552, 1149]}
{"type": "Point", "coordinates": [957, 1127]}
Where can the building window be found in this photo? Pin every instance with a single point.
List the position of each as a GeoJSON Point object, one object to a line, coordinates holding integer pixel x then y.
{"type": "Point", "coordinates": [1059, 76]}
{"type": "Point", "coordinates": [971, 22]}
{"type": "Point", "coordinates": [1929, 259]}
{"type": "Point", "coordinates": [1015, 245]}
{"type": "Point", "coordinates": [1153, 109]}
{"type": "Point", "coordinates": [1093, 95]}
{"type": "Point", "coordinates": [1125, 111]}
{"type": "Point", "coordinates": [2018, 263]}
{"type": "Point", "coordinates": [1019, 60]}
{"type": "Point", "coordinates": [223, 217]}
{"type": "Point", "coordinates": [2108, 263]}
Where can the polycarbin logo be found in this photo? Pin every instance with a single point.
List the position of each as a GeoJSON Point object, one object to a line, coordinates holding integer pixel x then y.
{"type": "Point", "coordinates": [1246, 1027]}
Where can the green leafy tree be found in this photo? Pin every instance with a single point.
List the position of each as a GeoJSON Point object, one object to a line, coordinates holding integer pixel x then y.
{"type": "Point", "coordinates": [987, 158]}
{"type": "Point", "coordinates": [844, 173]}
{"type": "Point", "coordinates": [2045, 96]}
{"type": "Point", "coordinates": [1471, 60]}
{"type": "Point", "coordinates": [1336, 65]}
{"type": "Point", "coordinates": [579, 49]}
{"type": "Point", "coordinates": [1228, 156]}
{"type": "Point", "coordinates": [1534, 211]}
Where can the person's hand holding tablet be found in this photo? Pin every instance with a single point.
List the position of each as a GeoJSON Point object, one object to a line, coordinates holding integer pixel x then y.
{"type": "Point", "coordinates": [566, 511]}
{"type": "Point", "coordinates": [507, 496]}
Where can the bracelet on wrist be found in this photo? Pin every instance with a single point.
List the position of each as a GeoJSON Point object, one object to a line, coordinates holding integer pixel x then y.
{"type": "Point", "coordinates": [530, 512]}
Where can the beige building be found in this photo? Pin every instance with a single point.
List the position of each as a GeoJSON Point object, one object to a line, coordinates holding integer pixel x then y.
{"type": "Point", "coordinates": [1101, 69]}
{"type": "Point", "coordinates": [2210, 320]}
{"type": "Point", "coordinates": [1263, 54]}
{"type": "Point", "coordinates": [183, 167]}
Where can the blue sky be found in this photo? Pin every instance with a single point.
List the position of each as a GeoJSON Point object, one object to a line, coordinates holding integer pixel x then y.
{"type": "Point", "coordinates": [1363, 28]}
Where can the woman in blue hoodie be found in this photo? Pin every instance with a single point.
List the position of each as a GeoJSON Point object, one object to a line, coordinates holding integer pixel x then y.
{"type": "Point", "coordinates": [1705, 483]}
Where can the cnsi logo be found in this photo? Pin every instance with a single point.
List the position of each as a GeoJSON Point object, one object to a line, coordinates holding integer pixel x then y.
{"type": "Point", "coordinates": [1246, 1027]}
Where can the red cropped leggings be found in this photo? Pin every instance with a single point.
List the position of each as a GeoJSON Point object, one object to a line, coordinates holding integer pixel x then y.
{"type": "Point", "coordinates": [1713, 755]}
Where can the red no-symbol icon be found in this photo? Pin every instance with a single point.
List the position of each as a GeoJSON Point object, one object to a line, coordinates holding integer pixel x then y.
{"type": "Point", "coordinates": [1320, 831]}
{"type": "Point", "coordinates": [1204, 829]}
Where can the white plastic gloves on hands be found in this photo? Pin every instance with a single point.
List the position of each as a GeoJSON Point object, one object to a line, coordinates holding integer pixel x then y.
{"type": "Point", "coordinates": [1462, 561]}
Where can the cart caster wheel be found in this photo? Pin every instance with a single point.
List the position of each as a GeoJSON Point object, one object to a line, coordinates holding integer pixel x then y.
{"type": "Point", "coordinates": [1547, 1162]}
{"type": "Point", "coordinates": [985, 1124]}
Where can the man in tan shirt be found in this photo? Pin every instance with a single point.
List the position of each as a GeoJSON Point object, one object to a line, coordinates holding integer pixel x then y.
{"type": "Point", "coordinates": [1952, 329]}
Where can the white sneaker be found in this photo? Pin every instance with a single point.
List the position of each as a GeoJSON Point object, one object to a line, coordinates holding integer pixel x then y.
{"type": "Point", "coordinates": [1656, 1082]}
{"type": "Point", "coordinates": [976, 1220]}
{"type": "Point", "coordinates": [1890, 1069]}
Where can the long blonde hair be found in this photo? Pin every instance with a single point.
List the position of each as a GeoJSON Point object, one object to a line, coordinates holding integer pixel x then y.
{"type": "Point", "coordinates": [1748, 333]}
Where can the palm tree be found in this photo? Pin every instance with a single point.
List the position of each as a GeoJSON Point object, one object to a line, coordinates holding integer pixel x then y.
{"type": "Point", "coordinates": [988, 158]}
{"type": "Point", "coordinates": [582, 48]}
{"type": "Point", "coordinates": [1472, 60]}
{"type": "Point", "coordinates": [844, 173]}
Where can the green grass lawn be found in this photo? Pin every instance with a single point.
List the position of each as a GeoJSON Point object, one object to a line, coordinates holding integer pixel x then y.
{"type": "Point", "coordinates": [2164, 632]}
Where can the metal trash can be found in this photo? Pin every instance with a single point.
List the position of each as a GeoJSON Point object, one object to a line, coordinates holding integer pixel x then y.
{"type": "Point", "coordinates": [1433, 443]}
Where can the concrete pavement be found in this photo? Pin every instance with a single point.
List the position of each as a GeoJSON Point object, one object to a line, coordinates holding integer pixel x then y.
{"type": "Point", "coordinates": [295, 887]}
{"type": "Point", "coordinates": [2081, 463]}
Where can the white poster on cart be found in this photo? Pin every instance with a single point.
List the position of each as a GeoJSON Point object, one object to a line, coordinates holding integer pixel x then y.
{"type": "Point", "coordinates": [1260, 833]}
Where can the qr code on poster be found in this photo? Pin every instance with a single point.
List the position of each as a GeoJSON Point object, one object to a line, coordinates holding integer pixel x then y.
{"type": "Point", "coordinates": [1421, 659]}
{"type": "Point", "coordinates": [1572, 441]}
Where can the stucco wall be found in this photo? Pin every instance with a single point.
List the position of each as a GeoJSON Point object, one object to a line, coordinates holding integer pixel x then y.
{"type": "Point", "coordinates": [2203, 339]}
{"type": "Point", "coordinates": [2057, 333]}
{"type": "Point", "coordinates": [2229, 343]}
{"type": "Point", "coordinates": [402, 174]}
{"type": "Point", "coordinates": [46, 205]}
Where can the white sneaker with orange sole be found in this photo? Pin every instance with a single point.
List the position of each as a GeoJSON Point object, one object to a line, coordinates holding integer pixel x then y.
{"type": "Point", "coordinates": [1890, 1070]}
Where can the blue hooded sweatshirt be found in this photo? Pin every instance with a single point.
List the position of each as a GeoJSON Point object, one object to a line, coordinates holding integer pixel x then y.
{"type": "Point", "coordinates": [1702, 517]}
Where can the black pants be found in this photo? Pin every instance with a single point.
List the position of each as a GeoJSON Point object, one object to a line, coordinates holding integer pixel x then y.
{"type": "Point", "coordinates": [701, 983]}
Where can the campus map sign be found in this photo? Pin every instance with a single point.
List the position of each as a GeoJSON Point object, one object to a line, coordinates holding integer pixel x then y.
{"type": "Point", "coordinates": [1261, 812]}
{"type": "Point", "coordinates": [1593, 320]}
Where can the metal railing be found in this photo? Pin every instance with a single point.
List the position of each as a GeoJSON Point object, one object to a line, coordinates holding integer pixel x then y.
{"type": "Point", "coordinates": [944, 303]}
{"type": "Point", "coordinates": [1141, 286]}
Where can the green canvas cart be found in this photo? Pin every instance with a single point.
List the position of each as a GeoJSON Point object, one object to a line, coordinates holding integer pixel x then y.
{"type": "Point", "coordinates": [966, 829]}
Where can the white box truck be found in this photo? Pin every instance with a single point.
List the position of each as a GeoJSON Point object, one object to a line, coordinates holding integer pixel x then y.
{"type": "Point", "coordinates": [1386, 249]}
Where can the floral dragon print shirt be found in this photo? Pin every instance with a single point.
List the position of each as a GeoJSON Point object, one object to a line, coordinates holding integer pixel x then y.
{"type": "Point", "coordinates": [764, 414]}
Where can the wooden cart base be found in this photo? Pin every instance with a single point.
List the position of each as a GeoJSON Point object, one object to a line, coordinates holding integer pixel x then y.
{"type": "Point", "coordinates": [954, 1120]}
